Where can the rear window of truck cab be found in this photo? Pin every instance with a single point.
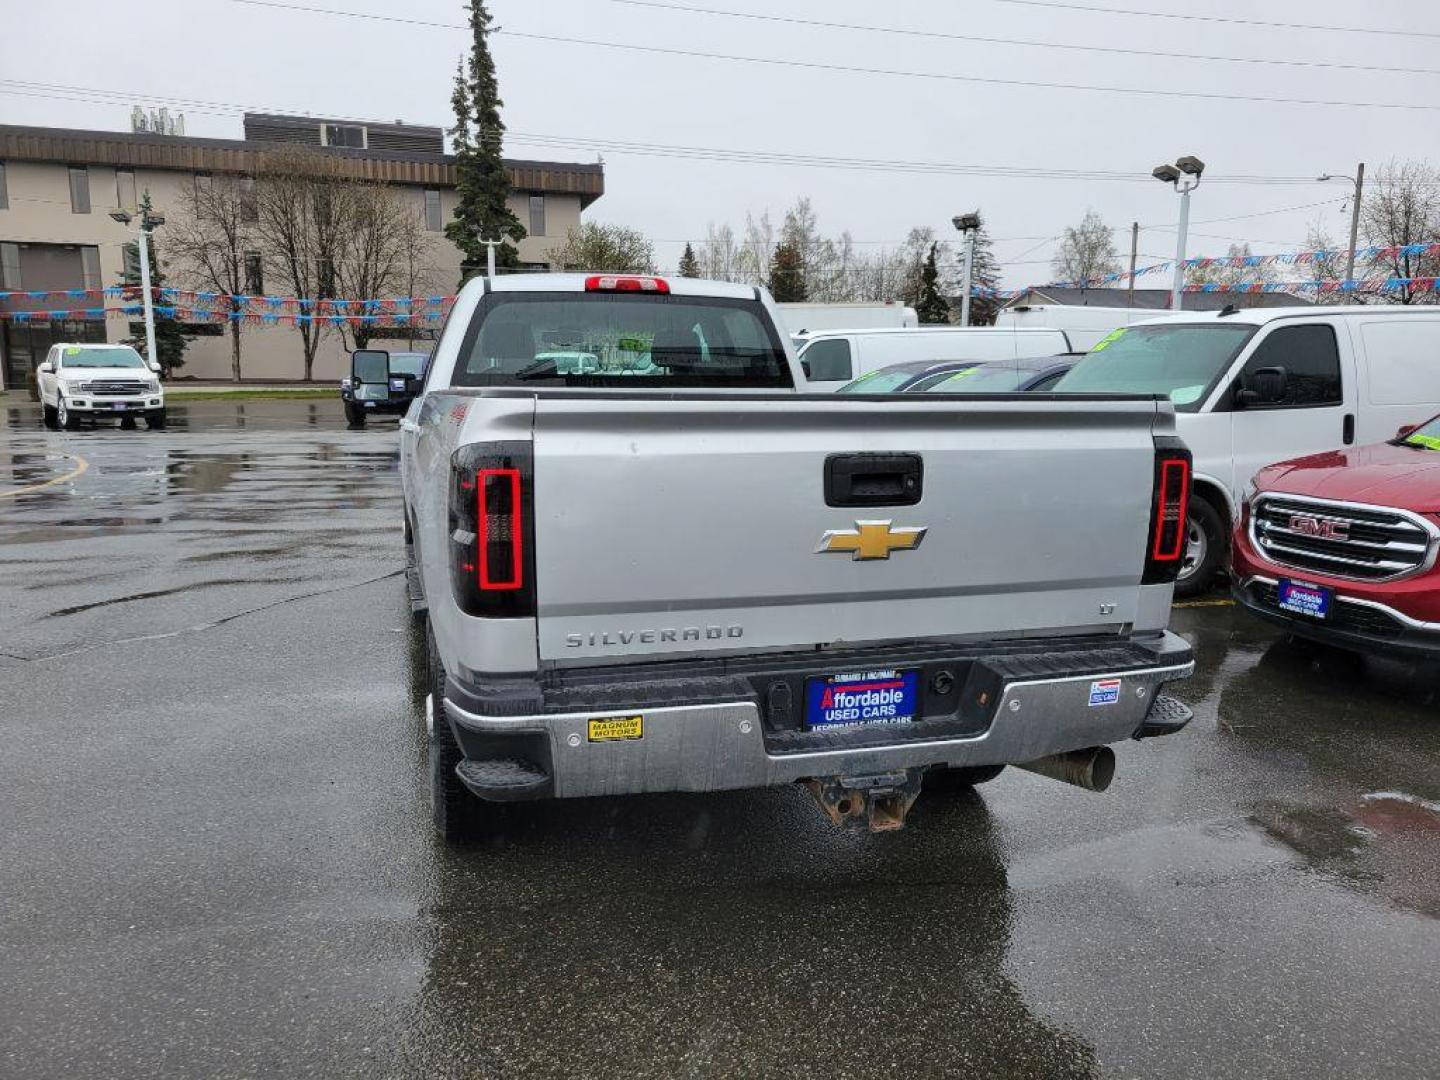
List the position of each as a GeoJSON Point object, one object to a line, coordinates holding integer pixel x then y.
{"type": "Point", "coordinates": [621, 341]}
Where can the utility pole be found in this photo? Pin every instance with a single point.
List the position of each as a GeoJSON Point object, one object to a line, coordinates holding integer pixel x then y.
{"type": "Point", "coordinates": [968, 225]}
{"type": "Point", "coordinates": [1349, 296]}
{"type": "Point", "coordinates": [1134, 253]}
{"type": "Point", "coordinates": [1357, 181]}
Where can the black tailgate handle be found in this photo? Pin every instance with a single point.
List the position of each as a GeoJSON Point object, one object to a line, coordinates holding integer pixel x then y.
{"type": "Point", "coordinates": [874, 479]}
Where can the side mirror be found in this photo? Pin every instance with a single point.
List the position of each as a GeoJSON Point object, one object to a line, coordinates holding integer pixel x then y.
{"type": "Point", "coordinates": [1267, 387]}
{"type": "Point", "coordinates": [46, 368]}
{"type": "Point", "coordinates": [1406, 429]}
{"type": "Point", "coordinates": [370, 365]}
{"type": "Point", "coordinates": [153, 367]}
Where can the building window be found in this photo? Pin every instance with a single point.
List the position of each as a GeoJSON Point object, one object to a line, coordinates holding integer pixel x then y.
{"type": "Point", "coordinates": [249, 208]}
{"type": "Point", "coordinates": [125, 189]}
{"type": "Point", "coordinates": [4, 192]}
{"type": "Point", "coordinates": [10, 266]}
{"type": "Point", "coordinates": [79, 189]}
{"type": "Point", "coordinates": [432, 210]}
{"type": "Point", "coordinates": [537, 215]}
{"type": "Point", "coordinates": [90, 266]}
{"type": "Point", "coordinates": [344, 135]}
{"type": "Point", "coordinates": [254, 274]}
{"type": "Point", "coordinates": [204, 182]}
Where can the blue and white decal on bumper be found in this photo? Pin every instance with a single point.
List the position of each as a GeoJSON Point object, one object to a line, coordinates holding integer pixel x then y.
{"type": "Point", "coordinates": [1104, 692]}
{"type": "Point", "coordinates": [862, 698]}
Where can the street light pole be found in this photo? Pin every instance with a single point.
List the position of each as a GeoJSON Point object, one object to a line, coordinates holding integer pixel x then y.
{"type": "Point", "coordinates": [968, 225]}
{"type": "Point", "coordinates": [148, 221]}
{"type": "Point", "coordinates": [148, 299]}
{"type": "Point", "coordinates": [1184, 175]}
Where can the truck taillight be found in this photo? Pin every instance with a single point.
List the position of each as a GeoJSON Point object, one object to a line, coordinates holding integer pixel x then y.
{"type": "Point", "coordinates": [1166, 537]}
{"type": "Point", "coordinates": [492, 554]}
{"type": "Point", "coordinates": [626, 283]}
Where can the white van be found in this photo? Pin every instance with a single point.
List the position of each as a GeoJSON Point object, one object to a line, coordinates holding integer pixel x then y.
{"type": "Point", "coordinates": [835, 357]}
{"type": "Point", "coordinates": [1084, 326]}
{"type": "Point", "coordinates": [1258, 386]}
{"type": "Point", "coordinates": [802, 320]}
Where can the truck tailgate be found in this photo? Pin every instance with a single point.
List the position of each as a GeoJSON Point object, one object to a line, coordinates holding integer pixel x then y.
{"type": "Point", "coordinates": [677, 524]}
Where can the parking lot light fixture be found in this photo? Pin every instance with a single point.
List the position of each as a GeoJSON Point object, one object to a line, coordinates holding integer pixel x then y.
{"type": "Point", "coordinates": [1358, 183]}
{"type": "Point", "coordinates": [148, 223]}
{"type": "Point", "coordinates": [968, 226]}
{"type": "Point", "coordinates": [1184, 176]}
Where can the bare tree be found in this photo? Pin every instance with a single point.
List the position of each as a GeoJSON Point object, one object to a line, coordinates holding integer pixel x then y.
{"type": "Point", "coordinates": [208, 241]}
{"type": "Point", "coordinates": [1087, 251]}
{"type": "Point", "coordinates": [720, 254]}
{"type": "Point", "coordinates": [1402, 208]}
{"type": "Point", "coordinates": [757, 250]}
{"type": "Point", "coordinates": [380, 240]}
{"type": "Point", "coordinates": [1329, 263]}
{"type": "Point", "coordinates": [1228, 270]}
{"type": "Point", "coordinates": [303, 207]}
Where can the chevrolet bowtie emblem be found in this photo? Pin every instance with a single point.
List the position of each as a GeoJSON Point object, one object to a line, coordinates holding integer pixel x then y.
{"type": "Point", "coordinates": [871, 540]}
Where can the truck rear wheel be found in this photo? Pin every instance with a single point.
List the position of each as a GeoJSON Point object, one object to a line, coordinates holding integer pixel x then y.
{"type": "Point", "coordinates": [1204, 550]}
{"type": "Point", "coordinates": [455, 812]}
{"type": "Point", "coordinates": [948, 781]}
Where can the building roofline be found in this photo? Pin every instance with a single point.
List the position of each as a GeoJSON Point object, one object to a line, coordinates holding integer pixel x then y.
{"type": "Point", "coordinates": [185, 153]}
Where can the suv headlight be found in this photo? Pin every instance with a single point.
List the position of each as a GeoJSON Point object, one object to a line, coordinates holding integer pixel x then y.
{"type": "Point", "coordinates": [79, 387]}
{"type": "Point", "coordinates": [153, 386]}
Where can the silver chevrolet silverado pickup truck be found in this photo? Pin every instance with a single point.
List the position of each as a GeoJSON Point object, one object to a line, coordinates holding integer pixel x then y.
{"type": "Point", "coordinates": [649, 561]}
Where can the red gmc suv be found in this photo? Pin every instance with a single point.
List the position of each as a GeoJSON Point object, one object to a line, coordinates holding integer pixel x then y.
{"type": "Point", "coordinates": [1340, 547]}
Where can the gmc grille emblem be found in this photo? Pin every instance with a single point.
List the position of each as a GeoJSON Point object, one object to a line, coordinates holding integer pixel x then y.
{"type": "Point", "coordinates": [1323, 528]}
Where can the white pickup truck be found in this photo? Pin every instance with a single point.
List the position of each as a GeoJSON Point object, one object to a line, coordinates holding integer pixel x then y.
{"type": "Point", "coordinates": [677, 573]}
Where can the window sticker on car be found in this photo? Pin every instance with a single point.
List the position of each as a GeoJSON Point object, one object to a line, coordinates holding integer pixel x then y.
{"type": "Point", "coordinates": [1185, 395]}
{"type": "Point", "coordinates": [1429, 442]}
{"type": "Point", "coordinates": [963, 374]}
{"type": "Point", "coordinates": [1109, 339]}
{"type": "Point", "coordinates": [72, 351]}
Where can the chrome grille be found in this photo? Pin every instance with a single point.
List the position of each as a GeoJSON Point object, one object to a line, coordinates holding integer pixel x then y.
{"type": "Point", "coordinates": [118, 387]}
{"type": "Point", "coordinates": [1366, 543]}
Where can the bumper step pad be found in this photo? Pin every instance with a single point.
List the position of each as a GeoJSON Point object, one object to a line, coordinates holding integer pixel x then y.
{"type": "Point", "coordinates": [504, 779]}
{"type": "Point", "coordinates": [1167, 715]}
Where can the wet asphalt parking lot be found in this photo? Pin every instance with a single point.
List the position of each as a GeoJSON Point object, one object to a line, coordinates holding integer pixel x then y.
{"type": "Point", "coordinates": [216, 856]}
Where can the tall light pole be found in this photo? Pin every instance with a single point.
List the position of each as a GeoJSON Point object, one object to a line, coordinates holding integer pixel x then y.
{"type": "Point", "coordinates": [1358, 181]}
{"type": "Point", "coordinates": [148, 222]}
{"type": "Point", "coordinates": [1184, 175]}
{"type": "Point", "coordinates": [968, 225]}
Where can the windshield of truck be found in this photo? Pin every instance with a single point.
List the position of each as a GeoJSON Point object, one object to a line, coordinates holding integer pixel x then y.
{"type": "Point", "coordinates": [1183, 361]}
{"type": "Point", "coordinates": [620, 341]}
{"type": "Point", "coordinates": [78, 356]}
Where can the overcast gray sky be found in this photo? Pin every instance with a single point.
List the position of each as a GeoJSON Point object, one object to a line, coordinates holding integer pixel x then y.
{"type": "Point", "coordinates": [233, 55]}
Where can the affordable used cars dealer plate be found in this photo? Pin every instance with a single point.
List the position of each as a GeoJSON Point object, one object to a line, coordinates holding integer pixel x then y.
{"type": "Point", "coordinates": [862, 698]}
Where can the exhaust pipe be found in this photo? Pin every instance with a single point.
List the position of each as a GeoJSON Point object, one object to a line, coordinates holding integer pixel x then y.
{"type": "Point", "coordinates": [1091, 769]}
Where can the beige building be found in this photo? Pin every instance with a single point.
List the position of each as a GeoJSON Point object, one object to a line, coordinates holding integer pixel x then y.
{"type": "Point", "coordinates": [59, 186]}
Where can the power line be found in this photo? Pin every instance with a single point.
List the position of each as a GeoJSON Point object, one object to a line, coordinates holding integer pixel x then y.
{"type": "Point", "coordinates": [679, 152]}
{"type": "Point", "coordinates": [1385, 31]}
{"type": "Point", "coordinates": [947, 36]}
{"type": "Point", "coordinates": [848, 69]}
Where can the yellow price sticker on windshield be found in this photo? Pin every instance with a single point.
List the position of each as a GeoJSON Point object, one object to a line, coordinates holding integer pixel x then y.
{"type": "Point", "coordinates": [964, 373]}
{"type": "Point", "coordinates": [1109, 339]}
{"type": "Point", "coordinates": [72, 351]}
{"type": "Point", "coordinates": [1430, 442]}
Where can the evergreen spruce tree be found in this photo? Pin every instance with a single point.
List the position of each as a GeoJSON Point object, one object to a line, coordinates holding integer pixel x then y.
{"type": "Point", "coordinates": [931, 306]}
{"type": "Point", "coordinates": [170, 340]}
{"type": "Point", "coordinates": [689, 264]}
{"type": "Point", "coordinates": [787, 275]}
{"type": "Point", "coordinates": [481, 181]}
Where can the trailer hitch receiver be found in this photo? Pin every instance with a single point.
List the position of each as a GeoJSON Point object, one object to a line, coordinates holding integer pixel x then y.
{"type": "Point", "coordinates": [878, 803]}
